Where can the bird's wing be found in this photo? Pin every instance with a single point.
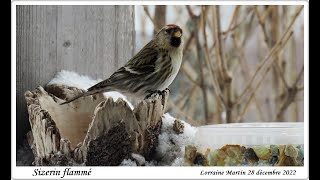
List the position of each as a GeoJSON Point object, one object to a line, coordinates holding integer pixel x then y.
{"type": "Point", "coordinates": [146, 56]}
{"type": "Point", "coordinates": [142, 64]}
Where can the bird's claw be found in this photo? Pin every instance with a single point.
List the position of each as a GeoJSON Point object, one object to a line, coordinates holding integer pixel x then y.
{"type": "Point", "coordinates": [162, 93]}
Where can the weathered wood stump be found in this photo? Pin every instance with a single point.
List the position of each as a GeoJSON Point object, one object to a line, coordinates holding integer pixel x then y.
{"type": "Point", "coordinates": [94, 130]}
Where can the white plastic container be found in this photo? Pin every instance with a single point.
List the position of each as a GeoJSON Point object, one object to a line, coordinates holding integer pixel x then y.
{"type": "Point", "coordinates": [249, 134]}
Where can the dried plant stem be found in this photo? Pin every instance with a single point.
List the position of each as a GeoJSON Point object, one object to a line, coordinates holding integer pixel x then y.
{"type": "Point", "coordinates": [193, 103]}
{"type": "Point", "coordinates": [197, 23]}
{"type": "Point", "coordinates": [217, 91]}
{"type": "Point", "coordinates": [159, 17]}
{"type": "Point", "coordinates": [269, 44]}
{"type": "Point", "coordinates": [219, 46]}
{"type": "Point", "coordinates": [146, 10]}
{"type": "Point", "coordinates": [172, 105]}
{"type": "Point", "coordinates": [187, 74]}
{"type": "Point", "coordinates": [188, 43]}
{"type": "Point", "coordinates": [274, 49]}
{"type": "Point", "coordinates": [185, 103]}
{"type": "Point", "coordinates": [266, 13]}
{"type": "Point", "coordinates": [202, 80]}
{"type": "Point", "coordinates": [289, 98]}
{"type": "Point", "coordinates": [281, 46]}
{"type": "Point", "coordinates": [223, 69]}
{"type": "Point", "coordinates": [262, 24]}
{"type": "Point", "coordinates": [231, 26]}
{"type": "Point", "coordinates": [246, 72]}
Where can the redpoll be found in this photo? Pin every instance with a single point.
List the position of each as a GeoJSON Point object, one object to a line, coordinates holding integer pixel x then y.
{"type": "Point", "coordinates": [151, 70]}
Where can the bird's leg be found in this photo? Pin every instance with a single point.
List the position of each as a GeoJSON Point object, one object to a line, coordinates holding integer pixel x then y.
{"type": "Point", "coordinates": [167, 89]}
{"type": "Point", "coordinates": [162, 93]}
{"type": "Point", "coordinates": [153, 92]}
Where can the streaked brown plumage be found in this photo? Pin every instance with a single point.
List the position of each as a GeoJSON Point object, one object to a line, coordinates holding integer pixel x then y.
{"type": "Point", "coordinates": [152, 69]}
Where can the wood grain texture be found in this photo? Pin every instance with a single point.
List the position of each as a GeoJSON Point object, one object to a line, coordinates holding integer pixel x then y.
{"type": "Point", "coordinates": [94, 131]}
{"type": "Point", "coordinates": [91, 40]}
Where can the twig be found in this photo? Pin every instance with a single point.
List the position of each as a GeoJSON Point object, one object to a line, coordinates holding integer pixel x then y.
{"type": "Point", "coordinates": [263, 76]}
{"type": "Point", "coordinates": [246, 71]}
{"type": "Point", "coordinates": [290, 96]}
{"type": "Point", "coordinates": [299, 76]}
{"type": "Point", "coordinates": [191, 14]}
{"type": "Point", "coordinates": [202, 82]}
{"type": "Point", "coordinates": [224, 73]}
{"type": "Point", "coordinates": [185, 103]}
{"type": "Point", "coordinates": [180, 113]}
{"type": "Point", "coordinates": [263, 27]}
{"type": "Point", "coordinates": [196, 21]}
{"type": "Point", "coordinates": [188, 43]}
{"type": "Point", "coordinates": [266, 13]}
{"type": "Point", "coordinates": [193, 103]}
{"type": "Point", "coordinates": [281, 74]}
{"type": "Point", "coordinates": [275, 48]}
{"type": "Point", "coordinates": [217, 91]}
{"type": "Point", "coordinates": [159, 17]}
{"type": "Point", "coordinates": [233, 21]}
{"type": "Point", "coordinates": [300, 88]}
{"type": "Point", "coordinates": [268, 43]}
{"type": "Point", "coordinates": [146, 10]}
{"type": "Point", "coordinates": [183, 70]}
{"type": "Point", "coordinates": [219, 49]}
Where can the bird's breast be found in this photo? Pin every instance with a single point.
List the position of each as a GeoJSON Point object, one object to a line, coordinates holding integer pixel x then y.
{"type": "Point", "coordinates": [176, 59]}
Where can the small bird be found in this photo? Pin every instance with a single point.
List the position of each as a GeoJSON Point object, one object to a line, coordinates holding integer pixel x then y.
{"type": "Point", "coordinates": [151, 70]}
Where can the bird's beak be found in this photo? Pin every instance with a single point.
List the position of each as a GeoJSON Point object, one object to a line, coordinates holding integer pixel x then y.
{"type": "Point", "coordinates": [177, 34]}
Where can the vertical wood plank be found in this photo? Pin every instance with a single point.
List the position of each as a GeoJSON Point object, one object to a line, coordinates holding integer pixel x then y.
{"type": "Point", "coordinates": [90, 40]}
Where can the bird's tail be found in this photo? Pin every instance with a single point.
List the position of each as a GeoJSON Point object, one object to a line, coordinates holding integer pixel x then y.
{"type": "Point", "coordinates": [88, 93]}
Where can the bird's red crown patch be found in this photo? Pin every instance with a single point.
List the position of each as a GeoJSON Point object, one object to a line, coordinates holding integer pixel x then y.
{"type": "Point", "coordinates": [172, 25]}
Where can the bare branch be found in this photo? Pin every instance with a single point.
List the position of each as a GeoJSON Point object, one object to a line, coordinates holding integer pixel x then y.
{"type": "Point", "coordinates": [146, 10]}
{"type": "Point", "coordinates": [278, 46]}
{"type": "Point", "coordinates": [217, 91]}
{"type": "Point", "coordinates": [233, 21]}
{"type": "Point", "coordinates": [246, 72]}
{"type": "Point", "coordinates": [263, 76]}
{"type": "Point", "coordinates": [197, 23]}
{"type": "Point", "coordinates": [299, 76]}
{"type": "Point", "coordinates": [219, 47]}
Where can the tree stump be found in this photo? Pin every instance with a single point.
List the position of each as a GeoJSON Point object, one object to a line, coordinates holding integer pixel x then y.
{"type": "Point", "coordinates": [94, 130]}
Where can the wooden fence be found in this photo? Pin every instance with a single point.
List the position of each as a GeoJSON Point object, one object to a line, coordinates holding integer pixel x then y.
{"type": "Point", "coordinates": [90, 40]}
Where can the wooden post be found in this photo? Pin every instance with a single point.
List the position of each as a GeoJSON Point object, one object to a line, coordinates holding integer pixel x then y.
{"type": "Point", "coordinates": [90, 40]}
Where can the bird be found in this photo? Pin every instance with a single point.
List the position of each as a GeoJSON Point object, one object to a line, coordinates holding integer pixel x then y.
{"type": "Point", "coordinates": [150, 71]}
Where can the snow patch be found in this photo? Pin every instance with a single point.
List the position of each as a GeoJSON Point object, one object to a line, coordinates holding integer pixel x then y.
{"type": "Point", "coordinates": [128, 162]}
{"type": "Point", "coordinates": [140, 159]}
{"type": "Point", "coordinates": [73, 79]}
{"type": "Point", "coordinates": [170, 150]}
{"type": "Point", "coordinates": [70, 78]}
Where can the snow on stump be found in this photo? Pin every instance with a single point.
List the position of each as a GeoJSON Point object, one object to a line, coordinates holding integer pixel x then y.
{"type": "Point", "coordinates": [94, 130]}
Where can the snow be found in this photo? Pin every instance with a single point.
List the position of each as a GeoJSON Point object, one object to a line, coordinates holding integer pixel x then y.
{"type": "Point", "coordinates": [73, 79]}
{"type": "Point", "coordinates": [139, 159]}
{"type": "Point", "coordinates": [170, 150]}
{"type": "Point", "coordinates": [128, 162]}
{"type": "Point", "coordinates": [171, 145]}
{"type": "Point", "coordinates": [70, 78]}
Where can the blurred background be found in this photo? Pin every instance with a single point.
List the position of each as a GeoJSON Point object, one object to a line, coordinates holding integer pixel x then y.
{"type": "Point", "coordinates": [240, 63]}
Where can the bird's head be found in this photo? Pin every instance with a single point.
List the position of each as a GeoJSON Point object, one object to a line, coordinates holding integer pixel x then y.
{"type": "Point", "coordinates": [170, 36]}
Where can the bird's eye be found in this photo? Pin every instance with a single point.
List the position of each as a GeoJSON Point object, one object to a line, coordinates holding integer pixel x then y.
{"type": "Point", "coordinates": [168, 31]}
